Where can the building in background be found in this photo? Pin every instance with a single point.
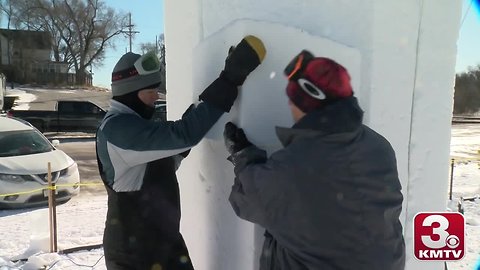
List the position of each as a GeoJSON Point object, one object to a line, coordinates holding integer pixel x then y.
{"type": "Point", "coordinates": [25, 58]}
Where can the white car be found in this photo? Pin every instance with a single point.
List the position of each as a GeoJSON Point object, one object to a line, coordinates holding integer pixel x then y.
{"type": "Point", "coordinates": [24, 157]}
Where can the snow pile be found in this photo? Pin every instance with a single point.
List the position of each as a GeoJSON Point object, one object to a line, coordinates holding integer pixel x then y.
{"type": "Point", "coordinates": [80, 223]}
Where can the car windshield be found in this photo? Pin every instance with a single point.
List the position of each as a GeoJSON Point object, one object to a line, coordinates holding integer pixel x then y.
{"type": "Point", "coordinates": [23, 142]}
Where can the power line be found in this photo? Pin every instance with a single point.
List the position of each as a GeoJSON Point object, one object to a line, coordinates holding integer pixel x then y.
{"type": "Point", "coordinates": [466, 14]}
{"type": "Point", "coordinates": [130, 31]}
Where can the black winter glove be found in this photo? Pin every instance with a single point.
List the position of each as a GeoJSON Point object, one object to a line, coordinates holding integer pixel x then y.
{"type": "Point", "coordinates": [241, 60]}
{"type": "Point", "coordinates": [220, 93]}
{"type": "Point", "coordinates": [235, 139]}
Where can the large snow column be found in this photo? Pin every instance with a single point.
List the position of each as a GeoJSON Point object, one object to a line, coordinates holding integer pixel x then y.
{"type": "Point", "coordinates": [429, 144]}
{"type": "Point", "coordinates": [401, 55]}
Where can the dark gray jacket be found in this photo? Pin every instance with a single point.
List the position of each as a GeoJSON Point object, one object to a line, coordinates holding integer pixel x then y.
{"type": "Point", "coordinates": [329, 200]}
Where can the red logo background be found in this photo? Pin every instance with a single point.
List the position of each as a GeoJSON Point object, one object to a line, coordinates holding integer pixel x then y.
{"type": "Point", "coordinates": [439, 236]}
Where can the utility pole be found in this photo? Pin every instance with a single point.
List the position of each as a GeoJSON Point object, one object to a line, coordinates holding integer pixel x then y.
{"type": "Point", "coordinates": [130, 31]}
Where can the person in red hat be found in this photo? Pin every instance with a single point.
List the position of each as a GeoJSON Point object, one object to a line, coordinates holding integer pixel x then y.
{"type": "Point", "coordinates": [331, 198]}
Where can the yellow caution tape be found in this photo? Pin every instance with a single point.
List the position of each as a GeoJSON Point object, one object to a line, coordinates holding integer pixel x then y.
{"type": "Point", "coordinates": [53, 187]}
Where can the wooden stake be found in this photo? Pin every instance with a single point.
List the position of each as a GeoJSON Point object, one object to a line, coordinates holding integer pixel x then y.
{"type": "Point", "coordinates": [54, 217]}
{"type": "Point", "coordinates": [52, 211]}
{"type": "Point", "coordinates": [452, 167]}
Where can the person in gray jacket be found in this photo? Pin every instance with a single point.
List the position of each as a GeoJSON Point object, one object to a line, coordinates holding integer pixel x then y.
{"type": "Point", "coordinates": [138, 157]}
{"type": "Point", "coordinates": [331, 198]}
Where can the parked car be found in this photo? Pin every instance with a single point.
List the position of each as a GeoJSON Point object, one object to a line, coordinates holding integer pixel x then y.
{"type": "Point", "coordinates": [24, 157]}
{"type": "Point", "coordinates": [68, 116]}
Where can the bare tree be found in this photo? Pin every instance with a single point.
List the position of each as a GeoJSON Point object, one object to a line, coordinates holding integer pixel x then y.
{"type": "Point", "coordinates": [159, 48]}
{"type": "Point", "coordinates": [467, 92]}
{"type": "Point", "coordinates": [81, 30]}
{"type": "Point", "coordinates": [6, 8]}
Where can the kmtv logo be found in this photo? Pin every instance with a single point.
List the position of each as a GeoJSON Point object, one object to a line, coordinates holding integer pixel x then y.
{"type": "Point", "coordinates": [439, 236]}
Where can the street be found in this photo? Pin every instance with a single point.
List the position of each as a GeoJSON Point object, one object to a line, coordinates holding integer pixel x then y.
{"type": "Point", "coordinates": [83, 152]}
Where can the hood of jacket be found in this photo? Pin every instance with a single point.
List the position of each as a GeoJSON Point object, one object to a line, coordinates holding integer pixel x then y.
{"type": "Point", "coordinates": [343, 116]}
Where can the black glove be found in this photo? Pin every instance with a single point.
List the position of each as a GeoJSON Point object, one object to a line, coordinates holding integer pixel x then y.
{"type": "Point", "coordinates": [235, 139]}
{"type": "Point", "coordinates": [241, 60]}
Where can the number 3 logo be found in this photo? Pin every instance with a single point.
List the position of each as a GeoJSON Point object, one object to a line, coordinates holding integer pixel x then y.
{"type": "Point", "coordinates": [440, 231]}
{"type": "Point", "coordinates": [439, 236]}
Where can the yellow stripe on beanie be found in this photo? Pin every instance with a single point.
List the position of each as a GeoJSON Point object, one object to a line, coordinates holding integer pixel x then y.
{"type": "Point", "coordinates": [257, 45]}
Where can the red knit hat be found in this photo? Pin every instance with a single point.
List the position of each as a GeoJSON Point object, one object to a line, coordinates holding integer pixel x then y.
{"type": "Point", "coordinates": [316, 81]}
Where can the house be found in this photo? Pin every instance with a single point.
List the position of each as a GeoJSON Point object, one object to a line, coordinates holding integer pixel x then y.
{"type": "Point", "coordinates": [25, 57]}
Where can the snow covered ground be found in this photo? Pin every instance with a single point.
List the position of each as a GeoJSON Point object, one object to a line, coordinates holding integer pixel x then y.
{"type": "Point", "coordinates": [24, 233]}
{"type": "Point", "coordinates": [464, 149]}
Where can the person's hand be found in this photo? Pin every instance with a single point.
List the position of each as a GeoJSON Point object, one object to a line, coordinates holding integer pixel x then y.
{"type": "Point", "coordinates": [235, 139]}
{"type": "Point", "coordinates": [243, 59]}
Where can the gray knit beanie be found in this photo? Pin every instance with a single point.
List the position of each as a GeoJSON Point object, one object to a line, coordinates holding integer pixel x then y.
{"type": "Point", "coordinates": [125, 78]}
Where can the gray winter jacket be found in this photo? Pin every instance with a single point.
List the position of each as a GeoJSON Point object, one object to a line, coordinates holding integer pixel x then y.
{"type": "Point", "coordinates": [138, 159]}
{"type": "Point", "coordinates": [329, 200]}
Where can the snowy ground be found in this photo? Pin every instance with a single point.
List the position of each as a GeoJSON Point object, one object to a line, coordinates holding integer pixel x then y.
{"type": "Point", "coordinates": [24, 233]}
{"type": "Point", "coordinates": [464, 149]}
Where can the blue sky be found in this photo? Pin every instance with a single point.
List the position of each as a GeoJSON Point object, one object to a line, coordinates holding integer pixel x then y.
{"type": "Point", "coordinates": [147, 16]}
{"type": "Point", "coordinates": [468, 53]}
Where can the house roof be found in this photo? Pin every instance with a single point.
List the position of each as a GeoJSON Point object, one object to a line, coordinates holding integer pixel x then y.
{"type": "Point", "coordinates": [39, 40]}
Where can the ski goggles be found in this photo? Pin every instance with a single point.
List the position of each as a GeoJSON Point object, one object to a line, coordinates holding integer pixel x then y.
{"type": "Point", "coordinates": [294, 69]}
{"type": "Point", "coordinates": [294, 72]}
{"type": "Point", "coordinates": [146, 64]}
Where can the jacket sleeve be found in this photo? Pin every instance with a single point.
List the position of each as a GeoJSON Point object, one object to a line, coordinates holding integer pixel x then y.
{"type": "Point", "coordinates": [139, 141]}
{"type": "Point", "coordinates": [256, 194]}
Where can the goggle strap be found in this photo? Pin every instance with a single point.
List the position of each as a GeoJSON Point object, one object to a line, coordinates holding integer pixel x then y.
{"type": "Point", "coordinates": [123, 74]}
{"type": "Point", "coordinates": [317, 94]}
{"type": "Point", "coordinates": [298, 65]}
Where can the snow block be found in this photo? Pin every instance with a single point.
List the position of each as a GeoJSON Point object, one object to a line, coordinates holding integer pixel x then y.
{"type": "Point", "coordinates": [262, 103]}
